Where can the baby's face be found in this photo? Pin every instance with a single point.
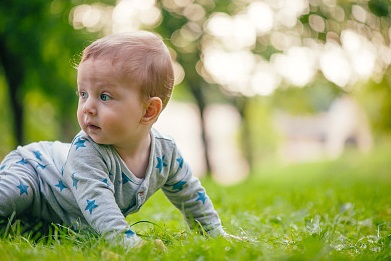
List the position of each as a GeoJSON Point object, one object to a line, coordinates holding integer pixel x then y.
{"type": "Point", "coordinates": [110, 108]}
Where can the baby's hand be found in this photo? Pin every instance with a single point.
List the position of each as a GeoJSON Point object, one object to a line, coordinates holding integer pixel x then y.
{"type": "Point", "coordinates": [237, 238]}
{"type": "Point", "coordinates": [133, 241]}
{"type": "Point", "coordinates": [158, 245]}
{"type": "Point", "coordinates": [221, 232]}
{"type": "Point", "coordinates": [141, 244]}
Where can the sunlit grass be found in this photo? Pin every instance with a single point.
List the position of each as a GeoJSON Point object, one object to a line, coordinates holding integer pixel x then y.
{"type": "Point", "coordinates": [329, 210]}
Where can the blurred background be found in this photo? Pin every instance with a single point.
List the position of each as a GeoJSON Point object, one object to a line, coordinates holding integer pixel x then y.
{"type": "Point", "coordinates": [257, 81]}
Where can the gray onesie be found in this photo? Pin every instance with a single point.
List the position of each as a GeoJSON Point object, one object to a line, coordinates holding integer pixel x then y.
{"type": "Point", "coordinates": [84, 184]}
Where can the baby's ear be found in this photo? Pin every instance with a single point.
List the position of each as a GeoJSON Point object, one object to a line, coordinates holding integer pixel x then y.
{"type": "Point", "coordinates": [153, 108]}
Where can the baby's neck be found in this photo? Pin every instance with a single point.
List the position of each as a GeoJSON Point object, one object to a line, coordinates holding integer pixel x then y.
{"type": "Point", "coordinates": [137, 160]}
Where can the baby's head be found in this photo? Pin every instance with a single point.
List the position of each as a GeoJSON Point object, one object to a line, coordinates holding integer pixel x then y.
{"type": "Point", "coordinates": [142, 57]}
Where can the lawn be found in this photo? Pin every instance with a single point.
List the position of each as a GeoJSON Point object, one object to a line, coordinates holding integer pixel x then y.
{"type": "Point", "coordinates": [328, 210]}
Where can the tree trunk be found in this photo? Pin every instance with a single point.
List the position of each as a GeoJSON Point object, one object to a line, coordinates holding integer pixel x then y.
{"type": "Point", "coordinates": [242, 106]}
{"type": "Point", "coordinates": [14, 76]}
{"type": "Point", "coordinates": [201, 103]}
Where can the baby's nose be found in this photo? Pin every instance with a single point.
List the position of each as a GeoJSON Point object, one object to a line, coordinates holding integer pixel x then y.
{"type": "Point", "coordinates": [89, 107]}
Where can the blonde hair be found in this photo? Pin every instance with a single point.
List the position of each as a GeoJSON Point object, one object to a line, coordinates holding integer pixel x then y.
{"type": "Point", "coordinates": [142, 56]}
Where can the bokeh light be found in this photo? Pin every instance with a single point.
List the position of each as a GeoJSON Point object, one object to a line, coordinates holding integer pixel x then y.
{"type": "Point", "coordinates": [228, 40]}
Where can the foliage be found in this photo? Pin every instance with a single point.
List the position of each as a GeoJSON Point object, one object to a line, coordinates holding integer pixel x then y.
{"type": "Point", "coordinates": [38, 52]}
{"type": "Point", "coordinates": [313, 98]}
{"type": "Point", "coordinates": [336, 210]}
{"type": "Point", "coordinates": [376, 99]}
{"type": "Point", "coordinates": [37, 81]}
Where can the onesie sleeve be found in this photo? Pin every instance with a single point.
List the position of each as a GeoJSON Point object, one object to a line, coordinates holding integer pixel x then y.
{"type": "Point", "coordinates": [86, 174]}
{"type": "Point", "coordinates": [189, 196]}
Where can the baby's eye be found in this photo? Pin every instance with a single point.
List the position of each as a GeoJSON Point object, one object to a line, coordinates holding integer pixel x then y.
{"type": "Point", "coordinates": [83, 95]}
{"type": "Point", "coordinates": [105, 97]}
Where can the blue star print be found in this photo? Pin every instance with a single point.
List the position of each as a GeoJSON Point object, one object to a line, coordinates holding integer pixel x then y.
{"type": "Point", "coordinates": [22, 162]}
{"type": "Point", "coordinates": [2, 167]}
{"type": "Point", "coordinates": [180, 161]}
{"type": "Point", "coordinates": [40, 166]}
{"type": "Point", "coordinates": [160, 163]}
{"type": "Point", "coordinates": [202, 197]}
{"type": "Point", "coordinates": [75, 180]}
{"type": "Point", "coordinates": [23, 188]}
{"type": "Point", "coordinates": [91, 205]}
{"type": "Point", "coordinates": [37, 154]}
{"type": "Point", "coordinates": [129, 233]}
{"type": "Point", "coordinates": [106, 181]}
{"type": "Point", "coordinates": [125, 179]}
{"type": "Point", "coordinates": [179, 185]}
{"type": "Point", "coordinates": [60, 185]}
{"type": "Point", "coordinates": [80, 143]}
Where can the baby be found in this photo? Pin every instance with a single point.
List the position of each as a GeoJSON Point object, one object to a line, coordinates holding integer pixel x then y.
{"type": "Point", "coordinates": [118, 160]}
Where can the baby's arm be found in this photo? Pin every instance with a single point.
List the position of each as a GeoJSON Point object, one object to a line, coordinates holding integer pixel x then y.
{"type": "Point", "coordinates": [87, 175]}
{"type": "Point", "coordinates": [189, 196]}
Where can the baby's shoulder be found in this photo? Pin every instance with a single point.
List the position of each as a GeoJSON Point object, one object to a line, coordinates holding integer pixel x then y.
{"type": "Point", "coordinates": [162, 140]}
{"type": "Point", "coordinates": [83, 144]}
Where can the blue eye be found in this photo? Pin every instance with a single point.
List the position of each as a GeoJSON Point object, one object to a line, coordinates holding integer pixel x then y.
{"type": "Point", "coordinates": [105, 97]}
{"type": "Point", "coordinates": [83, 95]}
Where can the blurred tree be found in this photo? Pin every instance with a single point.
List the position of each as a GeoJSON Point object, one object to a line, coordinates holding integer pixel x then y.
{"type": "Point", "coordinates": [323, 47]}
{"type": "Point", "coordinates": [37, 49]}
{"type": "Point", "coordinates": [38, 44]}
{"type": "Point", "coordinates": [185, 28]}
{"type": "Point", "coordinates": [371, 22]}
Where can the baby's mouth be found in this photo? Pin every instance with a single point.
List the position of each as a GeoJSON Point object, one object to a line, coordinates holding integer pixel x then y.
{"type": "Point", "coordinates": [92, 127]}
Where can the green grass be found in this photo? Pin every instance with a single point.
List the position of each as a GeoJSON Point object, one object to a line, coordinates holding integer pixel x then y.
{"type": "Point", "coordinates": [329, 210]}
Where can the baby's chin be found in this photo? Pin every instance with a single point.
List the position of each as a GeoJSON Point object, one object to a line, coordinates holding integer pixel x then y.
{"type": "Point", "coordinates": [96, 138]}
